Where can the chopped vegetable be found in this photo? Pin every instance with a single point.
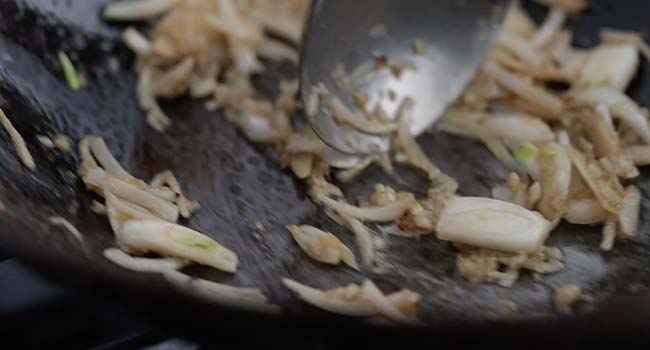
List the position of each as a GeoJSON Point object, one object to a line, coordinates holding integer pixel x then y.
{"type": "Point", "coordinates": [630, 211]}
{"type": "Point", "coordinates": [148, 265]}
{"type": "Point", "coordinates": [620, 106]}
{"type": "Point", "coordinates": [18, 141]}
{"type": "Point", "coordinates": [585, 212]}
{"type": "Point", "coordinates": [138, 10]}
{"type": "Point", "coordinates": [357, 301]}
{"type": "Point", "coordinates": [69, 71]}
{"type": "Point", "coordinates": [59, 221]}
{"type": "Point", "coordinates": [610, 65]}
{"type": "Point", "coordinates": [174, 240]}
{"type": "Point", "coordinates": [322, 246]}
{"type": "Point", "coordinates": [555, 179]}
{"type": "Point", "coordinates": [605, 187]}
{"type": "Point", "coordinates": [517, 128]}
{"type": "Point", "coordinates": [243, 298]}
{"type": "Point", "coordinates": [493, 224]}
{"type": "Point", "coordinates": [389, 212]}
{"type": "Point", "coordinates": [483, 265]}
{"type": "Point", "coordinates": [526, 153]}
{"type": "Point", "coordinates": [566, 297]}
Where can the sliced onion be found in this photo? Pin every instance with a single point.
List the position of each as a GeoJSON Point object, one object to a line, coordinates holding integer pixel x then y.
{"type": "Point", "coordinates": [521, 48]}
{"type": "Point", "coordinates": [599, 127]}
{"type": "Point", "coordinates": [606, 188]}
{"type": "Point", "coordinates": [639, 154]}
{"type": "Point", "coordinates": [322, 246]}
{"type": "Point", "coordinates": [609, 236]}
{"type": "Point", "coordinates": [237, 297]}
{"type": "Point", "coordinates": [360, 302]}
{"type": "Point", "coordinates": [518, 128]}
{"type": "Point", "coordinates": [610, 65]}
{"type": "Point", "coordinates": [59, 221]}
{"type": "Point", "coordinates": [302, 164]}
{"type": "Point", "coordinates": [381, 303]}
{"type": "Point", "coordinates": [518, 22]}
{"type": "Point", "coordinates": [129, 262]}
{"type": "Point", "coordinates": [113, 167]}
{"type": "Point", "coordinates": [163, 209]}
{"type": "Point", "coordinates": [555, 179]}
{"type": "Point", "coordinates": [620, 106]}
{"type": "Point", "coordinates": [137, 42]}
{"type": "Point", "coordinates": [536, 95]}
{"type": "Point", "coordinates": [493, 224]}
{"type": "Point", "coordinates": [415, 154]}
{"type": "Point", "coordinates": [565, 297]}
{"type": "Point", "coordinates": [323, 301]}
{"type": "Point", "coordinates": [551, 26]}
{"type": "Point", "coordinates": [365, 243]}
{"type": "Point", "coordinates": [18, 141]}
{"type": "Point", "coordinates": [177, 241]}
{"type": "Point", "coordinates": [175, 80]}
{"type": "Point", "coordinates": [278, 51]}
{"type": "Point", "coordinates": [390, 212]}
{"type": "Point", "coordinates": [348, 175]}
{"type": "Point", "coordinates": [630, 211]}
{"type": "Point", "coordinates": [344, 115]}
{"type": "Point", "coordinates": [138, 10]}
{"type": "Point", "coordinates": [586, 211]}
{"type": "Point", "coordinates": [120, 211]}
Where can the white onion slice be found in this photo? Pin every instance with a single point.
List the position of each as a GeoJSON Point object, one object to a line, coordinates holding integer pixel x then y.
{"type": "Point", "coordinates": [122, 259]}
{"type": "Point", "coordinates": [322, 246]}
{"type": "Point", "coordinates": [381, 303]}
{"type": "Point", "coordinates": [493, 224]}
{"type": "Point", "coordinates": [161, 208]}
{"type": "Point", "coordinates": [389, 212]}
{"type": "Point", "coordinates": [551, 26]}
{"type": "Point", "coordinates": [138, 10]}
{"type": "Point", "coordinates": [177, 241]}
{"type": "Point", "coordinates": [536, 95]}
{"type": "Point", "coordinates": [630, 211]}
{"type": "Point", "coordinates": [555, 179]}
{"type": "Point", "coordinates": [620, 106]}
{"type": "Point", "coordinates": [610, 65]}
{"type": "Point", "coordinates": [364, 240]}
{"type": "Point", "coordinates": [137, 42]}
{"type": "Point", "coordinates": [585, 212]}
{"type": "Point", "coordinates": [237, 297]}
{"type": "Point", "coordinates": [59, 221]}
{"type": "Point", "coordinates": [18, 141]}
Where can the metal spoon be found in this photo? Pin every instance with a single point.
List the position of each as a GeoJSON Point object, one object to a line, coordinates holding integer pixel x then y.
{"type": "Point", "coordinates": [441, 44]}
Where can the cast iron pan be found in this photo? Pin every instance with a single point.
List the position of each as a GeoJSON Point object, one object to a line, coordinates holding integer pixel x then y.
{"type": "Point", "coordinates": [238, 183]}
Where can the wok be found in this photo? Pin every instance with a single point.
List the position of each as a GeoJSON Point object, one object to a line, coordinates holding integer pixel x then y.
{"type": "Point", "coordinates": [239, 183]}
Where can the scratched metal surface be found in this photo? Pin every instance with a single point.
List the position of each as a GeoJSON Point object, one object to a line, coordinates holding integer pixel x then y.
{"type": "Point", "coordinates": [239, 183]}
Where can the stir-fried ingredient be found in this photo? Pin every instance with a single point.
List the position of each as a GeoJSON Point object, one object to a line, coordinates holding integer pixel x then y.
{"type": "Point", "coordinates": [143, 216]}
{"type": "Point", "coordinates": [59, 221]}
{"type": "Point", "coordinates": [322, 246]}
{"type": "Point", "coordinates": [174, 240]}
{"type": "Point", "coordinates": [18, 141]}
{"type": "Point", "coordinates": [361, 301]}
{"type": "Point", "coordinates": [492, 224]}
{"type": "Point", "coordinates": [69, 71]}
{"type": "Point", "coordinates": [160, 265]}
{"type": "Point", "coordinates": [483, 265]}
{"type": "Point", "coordinates": [566, 297]}
{"type": "Point", "coordinates": [244, 298]}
